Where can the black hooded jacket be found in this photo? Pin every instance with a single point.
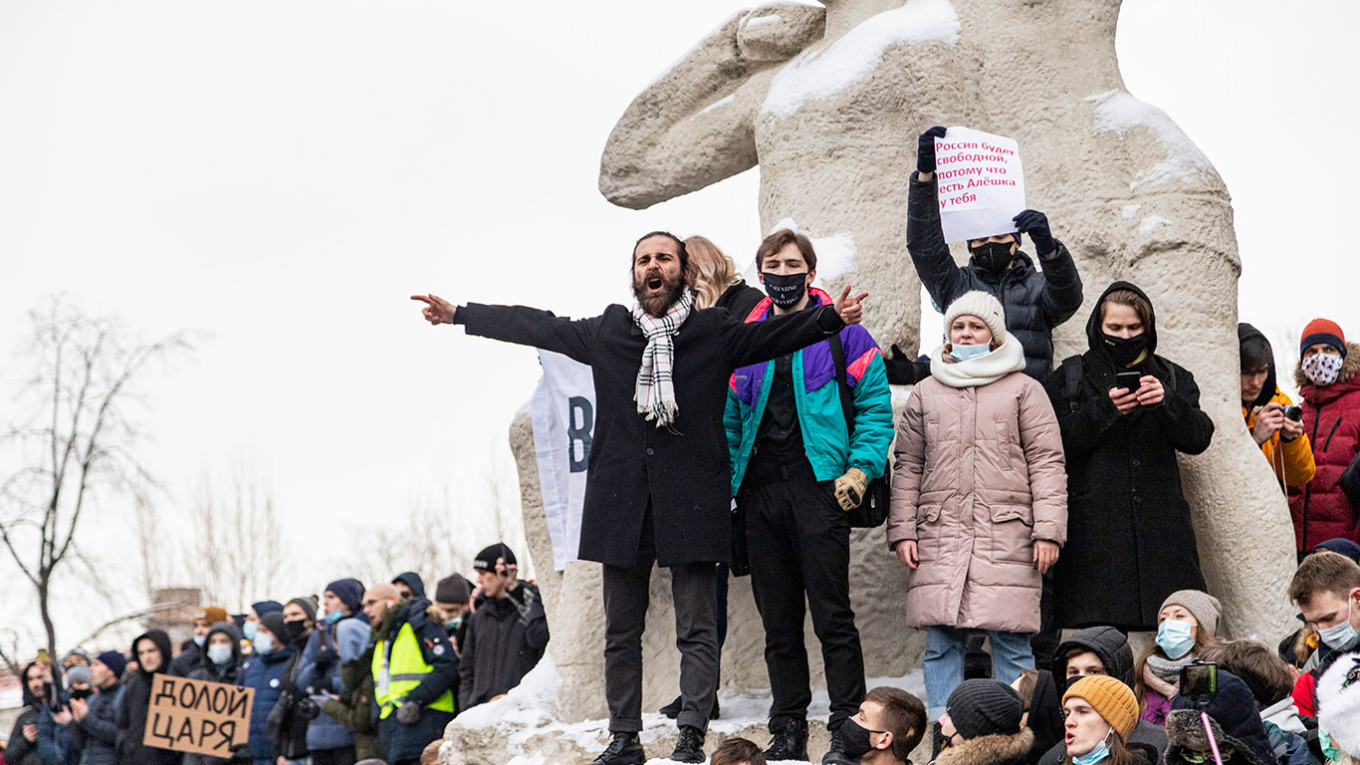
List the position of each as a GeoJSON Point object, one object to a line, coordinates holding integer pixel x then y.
{"type": "Point", "coordinates": [1245, 331]}
{"type": "Point", "coordinates": [132, 713]}
{"type": "Point", "coordinates": [1035, 301]}
{"type": "Point", "coordinates": [227, 672]}
{"type": "Point", "coordinates": [412, 579]}
{"type": "Point", "coordinates": [1130, 542]}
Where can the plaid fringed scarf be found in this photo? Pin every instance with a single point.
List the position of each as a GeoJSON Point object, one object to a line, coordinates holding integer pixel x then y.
{"type": "Point", "coordinates": [655, 394]}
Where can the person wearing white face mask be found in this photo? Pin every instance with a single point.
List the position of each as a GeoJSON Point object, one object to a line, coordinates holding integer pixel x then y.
{"type": "Point", "coordinates": [979, 497]}
{"type": "Point", "coordinates": [1099, 714]}
{"type": "Point", "coordinates": [221, 660]}
{"type": "Point", "coordinates": [1186, 624]}
{"type": "Point", "coordinates": [1326, 508]}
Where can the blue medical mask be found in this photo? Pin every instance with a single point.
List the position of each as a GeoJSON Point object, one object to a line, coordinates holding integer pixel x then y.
{"type": "Point", "coordinates": [1095, 755]}
{"type": "Point", "coordinates": [200, 640]}
{"type": "Point", "coordinates": [248, 629]}
{"type": "Point", "coordinates": [263, 644]}
{"type": "Point", "coordinates": [334, 616]}
{"type": "Point", "coordinates": [1341, 637]}
{"type": "Point", "coordinates": [966, 352]}
{"type": "Point", "coordinates": [1175, 638]}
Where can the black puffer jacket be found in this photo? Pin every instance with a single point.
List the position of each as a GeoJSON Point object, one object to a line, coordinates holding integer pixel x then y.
{"type": "Point", "coordinates": [505, 639]}
{"type": "Point", "coordinates": [1035, 301]}
{"type": "Point", "coordinates": [1130, 542]}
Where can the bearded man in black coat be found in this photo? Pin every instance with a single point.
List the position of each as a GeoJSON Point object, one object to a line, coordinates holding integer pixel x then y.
{"type": "Point", "coordinates": [658, 483]}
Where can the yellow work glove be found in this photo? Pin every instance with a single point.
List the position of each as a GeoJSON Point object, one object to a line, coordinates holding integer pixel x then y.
{"type": "Point", "coordinates": [850, 488]}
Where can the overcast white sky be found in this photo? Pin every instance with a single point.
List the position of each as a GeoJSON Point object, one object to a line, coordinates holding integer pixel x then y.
{"type": "Point", "coordinates": [281, 176]}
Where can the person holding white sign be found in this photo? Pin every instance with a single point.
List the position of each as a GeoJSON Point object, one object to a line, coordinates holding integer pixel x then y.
{"type": "Point", "coordinates": [1035, 301]}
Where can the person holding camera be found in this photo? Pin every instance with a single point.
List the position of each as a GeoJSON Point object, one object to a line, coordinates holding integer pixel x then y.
{"type": "Point", "coordinates": [1326, 508]}
{"type": "Point", "coordinates": [340, 636]}
{"type": "Point", "coordinates": [1239, 736]}
{"type": "Point", "coordinates": [1275, 422]}
{"type": "Point", "coordinates": [291, 716]}
{"type": "Point", "coordinates": [506, 635]}
{"type": "Point", "coordinates": [979, 497]}
{"type": "Point", "coordinates": [1125, 413]}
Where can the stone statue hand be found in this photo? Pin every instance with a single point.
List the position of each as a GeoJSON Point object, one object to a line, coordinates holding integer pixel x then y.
{"type": "Point", "coordinates": [848, 308]}
{"type": "Point", "coordinates": [776, 32]}
{"type": "Point", "coordinates": [925, 150]}
{"type": "Point", "coordinates": [1035, 224]}
{"type": "Point", "coordinates": [437, 310]}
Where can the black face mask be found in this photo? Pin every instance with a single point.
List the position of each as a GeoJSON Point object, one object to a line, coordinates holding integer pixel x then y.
{"type": "Point", "coordinates": [80, 693]}
{"type": "Point", "coordinates": [993, 256]}
{"type": "Point", "coordinates": [293, 630]}
{"type": "Point", "coordinates": [855, 739]}
{"type": "Point", "coordinates": [785, 289]}
{"type": "Point", "coordinates": [1124, 350]}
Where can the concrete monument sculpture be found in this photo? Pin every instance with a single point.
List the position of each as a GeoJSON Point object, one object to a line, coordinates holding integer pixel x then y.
{"type": "Point", "coordinates": [828, 102]}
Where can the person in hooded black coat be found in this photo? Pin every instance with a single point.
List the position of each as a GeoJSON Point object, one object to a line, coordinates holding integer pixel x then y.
{"type": "Point", "coordinates": [1129, 538]}
{"type": "Point", "coordinates": [132, 712]}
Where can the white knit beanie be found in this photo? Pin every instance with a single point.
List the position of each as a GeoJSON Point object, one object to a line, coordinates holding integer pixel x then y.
{"type": "Point", "coordinates": [1338, 703]}
{"type": "Point", "coordinates": [982, 305]}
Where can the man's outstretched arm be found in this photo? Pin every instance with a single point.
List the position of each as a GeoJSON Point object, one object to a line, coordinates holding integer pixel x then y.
{"type": "Point", "coordinates": [516, 324]}
{"type": "Point", "coordinates": [763, 340]}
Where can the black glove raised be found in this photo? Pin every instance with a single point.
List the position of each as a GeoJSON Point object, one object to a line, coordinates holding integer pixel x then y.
{"type": "Point", "coordinates": [408, 713]}
{"type": "Point", "coordinates": [1035, 224]}
{"type": "Point", "coordinates": [925, 151]}
{"type": "Point", "coordinates": [901, 368]}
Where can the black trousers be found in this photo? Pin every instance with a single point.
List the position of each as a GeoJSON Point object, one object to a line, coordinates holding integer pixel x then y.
{"type": "Point", "coordinates": [798, 540]}
{"type": "Point", "coordinates": [626, 595]}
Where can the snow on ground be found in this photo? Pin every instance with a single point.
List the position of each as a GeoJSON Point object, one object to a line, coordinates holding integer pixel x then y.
{"type": "Point", "coordinates": [1119, 112]}
{"type": "Point", "coordinates": [821, 73]}
{"type": "Point", "coordinates": [529, 711]}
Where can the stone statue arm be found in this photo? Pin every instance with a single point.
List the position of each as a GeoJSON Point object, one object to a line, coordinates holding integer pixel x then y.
{"type": "Point", "coordinates": [941, 277]}
{"type": "Point", "coordinates": [695, 125]}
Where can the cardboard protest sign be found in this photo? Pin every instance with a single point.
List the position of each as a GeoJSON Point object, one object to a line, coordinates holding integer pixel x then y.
{"type": "Point", "coordinates": [197, 716]}
{"type": "Point", "coordinates": [981, 184]}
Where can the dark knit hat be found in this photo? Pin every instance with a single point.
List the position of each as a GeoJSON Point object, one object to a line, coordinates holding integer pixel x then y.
{"type": "Point", "coordinates": [273, 621]}
{"type": "Point", "coordinates": [982, 707]}
{"type": "Point", "coordinates": [1323, 331]}
{"type": "Point", "coordinates": [453, 589]}
{"type": "Point", "coordinates": [1342, 546]}
{"type": "Point", "coordinates": [307, 605]}
{"type": "Point", "coordinates": [115, 661]}
{"type": "Point", "coordinates": [349, 591]}
{"type": "Point", "coordinates": [266, 606]}
{"type": "Point", "coordinates": [486, 559]}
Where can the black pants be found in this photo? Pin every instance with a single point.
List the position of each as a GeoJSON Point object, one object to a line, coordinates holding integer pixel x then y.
{"type": "Point", "coordinates": [798, 540]}
{"type": "Point", "coordinates": [626, 591]}
{"type": "Point", "coordinates": [342, 756]}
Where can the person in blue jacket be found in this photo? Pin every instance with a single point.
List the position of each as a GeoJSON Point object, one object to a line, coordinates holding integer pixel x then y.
{"type": "Point", "coordinates": [797, 468]}
{"type": "Point", "coordinates": [263, 670]}
{"type": "Point", "coordinates": [340, 636]}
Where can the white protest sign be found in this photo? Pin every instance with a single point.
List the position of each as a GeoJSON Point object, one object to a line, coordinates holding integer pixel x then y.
{"type": "Point", "coordinates": [982, 185]}
{"type": "Point", "coordinates": [564, 422]}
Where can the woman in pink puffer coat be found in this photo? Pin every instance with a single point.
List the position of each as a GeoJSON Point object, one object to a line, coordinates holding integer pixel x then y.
{"type": "Point", "coordinates": [979, 497]}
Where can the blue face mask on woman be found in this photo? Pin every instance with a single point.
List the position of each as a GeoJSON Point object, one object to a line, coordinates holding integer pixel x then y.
{"type": "Point", "coordinates": [1100, 752]}
{"type": "Point", "coordinates": [1175, 638]}
{"type": "Point", "coordinates": [966, 352]}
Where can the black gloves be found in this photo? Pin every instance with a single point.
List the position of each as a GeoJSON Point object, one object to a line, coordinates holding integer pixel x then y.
{"type": "Point", "coordinates": [901, 367]}
{"type": "Point", "coordinates": [408, 713]}
{"type": "Point", "coordinates": [1035, 224]}
{"type": "Point", "coordinates": [925, 152]}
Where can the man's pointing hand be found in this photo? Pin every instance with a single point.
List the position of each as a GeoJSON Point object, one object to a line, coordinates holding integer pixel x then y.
{"type": "Point", "coordinates": [437, 310]}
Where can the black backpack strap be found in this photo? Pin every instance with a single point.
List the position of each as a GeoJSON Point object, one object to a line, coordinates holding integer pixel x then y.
{"type": "Point", "coordinates": [842, 384]}
{"type": "Point", "coordinates": [1071, 389]}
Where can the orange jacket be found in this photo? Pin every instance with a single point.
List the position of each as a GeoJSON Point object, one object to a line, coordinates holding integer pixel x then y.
{"type": "Point", "coordinates": [1293, 463]}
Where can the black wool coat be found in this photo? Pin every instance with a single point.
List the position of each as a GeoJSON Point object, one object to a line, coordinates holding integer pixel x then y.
{"type": "Point", "coordinates": [1035, 301]}
{"type": "Point", "coordinates": [1130, 543]}
{"type": "Point", "coordinates": [683, 471]}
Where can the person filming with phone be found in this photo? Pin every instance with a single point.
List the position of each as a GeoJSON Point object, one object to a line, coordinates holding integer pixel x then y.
{"type": "Point", "coordinates": [1125, 412]}
{"type": "Point", "coordinates": [507, 633]}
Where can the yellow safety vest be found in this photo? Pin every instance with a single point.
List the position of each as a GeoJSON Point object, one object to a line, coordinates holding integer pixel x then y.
{"type": "Point", "coordinates": [399, 669]}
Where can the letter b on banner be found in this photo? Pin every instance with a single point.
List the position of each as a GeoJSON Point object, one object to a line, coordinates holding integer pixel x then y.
{"type": "Point", "coordinates": [581, 419]}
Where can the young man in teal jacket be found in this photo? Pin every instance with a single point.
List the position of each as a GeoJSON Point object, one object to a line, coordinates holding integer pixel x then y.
{"type": "Point", "coordinates": [796, 471]}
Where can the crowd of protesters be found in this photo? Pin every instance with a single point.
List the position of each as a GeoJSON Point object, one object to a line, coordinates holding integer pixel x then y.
{"type": "Point", "coordinates": [1038, 508]}
{"type": "Point", "coordinates": [358, 674]}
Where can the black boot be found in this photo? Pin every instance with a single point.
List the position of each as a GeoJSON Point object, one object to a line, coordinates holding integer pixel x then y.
{"type": "Point", "coordinates": [671, 710]}
{"type": "Point", "coordinates": [836, 755]}
{"type": "Point", "coordinates": [789, 740]}
{"type": "Point", "coordinates": [624, 749]}
{"type": "Point", "coordinates": [689, 746]}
